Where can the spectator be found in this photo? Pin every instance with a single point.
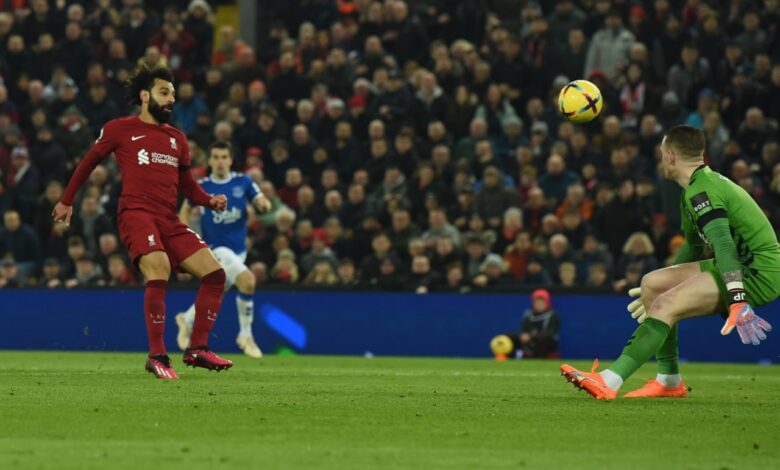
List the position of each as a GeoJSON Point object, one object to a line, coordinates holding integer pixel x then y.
{"type": "Point", "coordinates": [119, 274]}
{"type": "Point", "coordinates": [753, 37]}
{"type": "Point", "coordinates": [321, 274]}
{"type": "Point", "coordinates": [492, 273]}
{"type": "Point", "coordinates": [609, 47]}
{"type": "Point", "coordinates": [564, 19]}
{"type": "Point", "coordinates": [19, 242]}
{"type": "Point", "coordinates": [9, 275]}
{"type": "Point", "coordinates": [370, 267]}
{"type": "Point", "coordinates": [430, 103]}
{"type": "Point", "coordinates": [404, 36]}
{"type": "Point", "coordinates": [556, 180]}
{"type": "Point", "coordinates": [454, 280]}
{"type": "Point", "coordinates": [52, 276]}
{"type": "Point", "coordinates": [422, 279]}
{"type": "Point", "coordinates": [512, 225]}
{"type": "Point", "coordinates": [559, 252]}
{"type": "Point", "coordinates": [593, 252]}
{"type": "Point", "coordinates": [48, 156]}
{"type": "Point", "coordinates": [572, 55]}
{"type": "Point", "coordinates": [402, 229]}
{"type": "Point", "coordinates": [347, 273]}
{"type": "Point", "coordinates": [439, 227]}
{"type": "Point", "coordinates": [497, 111]}
{"type": "Point", "coordinates": [577, 200]}
{"type": "Point", "coordinates": [475, 255]}
{"type": "Point", "coordinates": [88, 273]}
{"type": "Point", "coordinates": [567, 275]}
{"type": "Point", "coordinates": [285, 271]}
{"type": "Point", "coordinates": [24, 183]}
{"type": "Point", "coordinates": [91, 222]}
{"type": "Point", "coordinates": [493, 199]}
{"type": "Point", "coordinates": [690, 74]}
{"type": "Point", "coordinates": [621, 217]}
{"type": "Point", "coordinates": [75, 52]}
{"type": "Point", "coordinates": [755, 131]}
{"type": "Point", "coordinates": [460, 112]}
{"type": "Point", "coordinates": [319, 253]}
{"type": "Point", "coordinates": [598, 276]}
{"type": "Point", "coordinates": [573, 228]}
{"type": "Point", "coordinates": [188, 107]}
{"type": "Point", "coordinates": [637, 251]}
{"type": "Point", "coordinates": [444, 253]}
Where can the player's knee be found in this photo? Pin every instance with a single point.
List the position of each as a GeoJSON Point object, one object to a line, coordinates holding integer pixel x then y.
{"type": "Point", "coordinates": [649, 284]}
{"type": "Point", "coordinates": [155, 267]}
{"type": "Point", "coordinates": [246, 282]}
{"type": "Point", "coordinates": [651, 288]}
{"type": "Point", "coordinates": [663, 309]}
{"type": "Point", "coordinates": [215, 278]}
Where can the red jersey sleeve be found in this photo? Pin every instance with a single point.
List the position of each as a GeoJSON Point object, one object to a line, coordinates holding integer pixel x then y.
{"type": "Point", "coordinates": [186, 157]}
{"type": "Point", "coordinates": [104, 145]}
{"type": "Point", "coordinates": [187, 184]}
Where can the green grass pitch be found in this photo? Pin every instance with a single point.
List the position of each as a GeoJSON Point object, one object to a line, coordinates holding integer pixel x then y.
{"type": "Point", "coordinates": [101, 410]}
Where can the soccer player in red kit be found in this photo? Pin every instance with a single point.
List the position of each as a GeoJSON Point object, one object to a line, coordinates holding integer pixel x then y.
{"type": "Point", "coordinates": [154, 160]}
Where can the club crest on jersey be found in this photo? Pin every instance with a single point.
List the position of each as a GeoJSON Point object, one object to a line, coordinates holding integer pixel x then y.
{"type": "Point", "coordinates": [151, 240]}
{"type": "Point", "coordinates": [238, 192]}
{"type": "Point", "coordinates": [173, 144]}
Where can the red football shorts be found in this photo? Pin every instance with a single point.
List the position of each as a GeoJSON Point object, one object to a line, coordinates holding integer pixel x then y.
{"type": "Point", "coordinates": [143, 232]}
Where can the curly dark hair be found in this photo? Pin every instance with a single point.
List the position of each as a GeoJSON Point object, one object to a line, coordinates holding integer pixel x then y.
{"type": "Point", "coordinates": [143, 79]}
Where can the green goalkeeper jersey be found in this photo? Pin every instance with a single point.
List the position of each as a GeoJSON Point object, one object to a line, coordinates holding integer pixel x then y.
{"type": "Point", "coordinates": [711, 196]}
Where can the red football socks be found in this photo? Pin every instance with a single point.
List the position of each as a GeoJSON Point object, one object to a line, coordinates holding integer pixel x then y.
{"type": "Point", "coordinates": [154, 308]}
{"type": "Point", "coordinates": [207, 304]}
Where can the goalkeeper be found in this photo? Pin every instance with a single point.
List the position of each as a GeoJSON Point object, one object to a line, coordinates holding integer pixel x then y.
{"type": "Point", "coordinates": [745, 272]}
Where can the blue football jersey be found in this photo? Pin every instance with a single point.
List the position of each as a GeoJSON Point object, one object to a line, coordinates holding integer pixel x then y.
{"type": "Point", "coordinates": [228, 228]}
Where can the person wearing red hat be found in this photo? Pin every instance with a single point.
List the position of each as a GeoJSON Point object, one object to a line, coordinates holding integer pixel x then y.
{"type": "Point", "coordinates": [538, 335]}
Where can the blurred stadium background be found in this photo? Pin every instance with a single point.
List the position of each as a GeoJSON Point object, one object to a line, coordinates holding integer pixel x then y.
{"type": "Point", "coordinates": [408, 147]}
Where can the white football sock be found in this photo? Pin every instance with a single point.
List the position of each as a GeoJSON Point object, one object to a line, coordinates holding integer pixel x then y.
{"type": "Point", "coordinates": [189, 315]}
{"type": "Point", "coordinates": [246, 312]}
{"type": "Point", "coordinates": [613, 380]}
{"type": "Point", "coordinates": [669, 380]}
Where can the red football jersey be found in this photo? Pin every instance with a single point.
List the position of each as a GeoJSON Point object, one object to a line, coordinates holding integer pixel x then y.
{"type": "Point", "coordinates": [149, 158]}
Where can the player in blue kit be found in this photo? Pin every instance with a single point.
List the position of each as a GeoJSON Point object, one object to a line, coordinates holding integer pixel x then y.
{"type": "Point", "coordinates": [225, 232]}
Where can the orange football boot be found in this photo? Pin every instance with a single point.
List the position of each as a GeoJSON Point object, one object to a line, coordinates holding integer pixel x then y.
{"type": "Point", "coordinates": [655, 389]}
{"type": "Point", "coordinates": [591, 381]}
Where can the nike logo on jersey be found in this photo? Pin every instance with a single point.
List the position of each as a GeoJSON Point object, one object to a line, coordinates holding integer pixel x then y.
{"type": "Point", "coordinates": [136, 137]}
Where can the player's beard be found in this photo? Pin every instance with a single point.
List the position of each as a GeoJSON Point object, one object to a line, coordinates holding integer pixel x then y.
{"type": "Point", "coordinates": [161, 114]}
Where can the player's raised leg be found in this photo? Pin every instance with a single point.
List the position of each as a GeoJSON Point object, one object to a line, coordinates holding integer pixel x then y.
{"type": "Point", "coordinates": [208, 301]}
{"type": "Point", "coordinates": [245, 283]}
{"type": "Point", "coordinates": [156, 270]}
{"type": "Point", "coordinates": [668, 381]}
{"type": "Point", "coordinates": [697, 296]}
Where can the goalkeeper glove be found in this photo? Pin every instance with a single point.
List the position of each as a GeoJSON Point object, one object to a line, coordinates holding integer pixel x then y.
{"type": "Point", "coordinates": [637, 308]}
{"type": "Point", "coordinates": [750, 326]}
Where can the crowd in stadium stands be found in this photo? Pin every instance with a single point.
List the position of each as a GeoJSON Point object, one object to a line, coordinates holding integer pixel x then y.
{"type": "Point", "coordinates": [406, 146]}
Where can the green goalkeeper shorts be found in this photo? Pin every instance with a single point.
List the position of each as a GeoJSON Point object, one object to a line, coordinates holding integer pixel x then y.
{"type": "Point", "coordinates": [761, 285]}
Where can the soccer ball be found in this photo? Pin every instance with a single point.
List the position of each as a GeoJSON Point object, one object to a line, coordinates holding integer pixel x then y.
{"type": "Point", "coordinates": [501, 345]}
{"type": "Point", "coordinates": [580, 101]}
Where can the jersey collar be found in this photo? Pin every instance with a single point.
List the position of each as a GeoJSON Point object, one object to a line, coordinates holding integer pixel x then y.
{"type": "Point", "coordinates": [223, 180]}
{"type": "Point", "coordinates": [696, 171]}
